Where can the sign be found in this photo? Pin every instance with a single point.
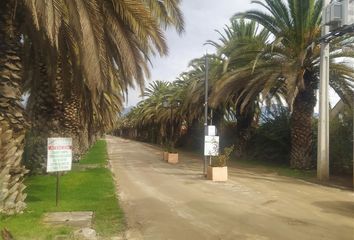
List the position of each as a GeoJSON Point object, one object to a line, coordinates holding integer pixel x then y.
{"type": "Point", "coordinates": [211, 130]}
{"type": "Point", "coordinates": [211, 146]}
{"type": "Point", "coordinates": [59, 154]}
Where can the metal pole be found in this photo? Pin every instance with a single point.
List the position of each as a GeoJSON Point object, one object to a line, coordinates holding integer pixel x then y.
{"type": "Point", "coordinates": [171, 127]}
{"type": "Point", "coordinates": [211, 116]}
{"type": "Point", "coordinates": [206, 108]}
{"type": "Point", "coordinates": [323, 122]}
{"type": "Point", "coordinates": [57, 191]}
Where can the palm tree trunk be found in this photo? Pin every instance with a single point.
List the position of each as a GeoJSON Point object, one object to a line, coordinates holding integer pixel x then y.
{"type": "Point", "coordinates": [301, 126]}
{"type": "Point", "coordinates": [244, 127]}
{"type": "Point", "coordinates": [44, 112]}
{"type": "Point", "coordinates": [74, 125]}
{"type": "Point", "coordinates": [54, 114]}
{"type": "Point", "coordinates": [12, 122]}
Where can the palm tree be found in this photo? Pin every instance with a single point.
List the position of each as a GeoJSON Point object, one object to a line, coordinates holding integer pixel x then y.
{"type": "Point", "coordinates": [153, 115]}
{"type": "Point", "coordinates": [152, 119]}
{"type": "Point", "coordinates": [290, 65]}
{"type": "Point", "coordinates": [108, 44]}
{"type": "Point", "coordinates": [128, 43]}
{"type": "Point", "coordinates": [12, 122]}
{"type": "Point", "coordinates": [239, 45]}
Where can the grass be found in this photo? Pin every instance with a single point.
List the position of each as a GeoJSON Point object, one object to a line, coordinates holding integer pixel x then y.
{"type": "Point", "coordinates": [96, 155]}
{"type": "Point", "coordinates": [280, 169]}
{"type": "Point", "coordinates": [263, 166]}
{"type": "Point", "coordinates": [83, 189]}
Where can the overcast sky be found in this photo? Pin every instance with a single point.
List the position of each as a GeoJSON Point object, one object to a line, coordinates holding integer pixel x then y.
{"type": "Point", "coordinates": [202, 18]}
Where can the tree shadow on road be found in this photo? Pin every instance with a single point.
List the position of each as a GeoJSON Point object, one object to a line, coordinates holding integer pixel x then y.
{"type": "Point", "coordinates": [344, 208]}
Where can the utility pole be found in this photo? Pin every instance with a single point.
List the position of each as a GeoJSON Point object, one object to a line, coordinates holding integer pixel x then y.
{"type": "Point", "coordinates": [339, 15]}
{"type": "Point", "coordinates": [206, 108]}
{"type": "Point", "coordinates": [172, 127]}
{"type": "Point", "coordinates": [323, 122]}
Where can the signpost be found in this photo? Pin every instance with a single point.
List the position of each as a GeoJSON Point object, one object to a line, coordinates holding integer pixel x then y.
{"type": "Point", "coordinates": [206, 108]}
{"type": "Point", "coordinates": [211, 130]}
{"type": "Point", "coordinates": [59, 158]}
{"type": "Point", "coordinates": [211, 146]}
{"type": "Point", "coordinates": [211, 143]}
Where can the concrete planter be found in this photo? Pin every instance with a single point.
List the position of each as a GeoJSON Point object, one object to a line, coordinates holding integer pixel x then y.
{"type": "Point", "coordinates": [217, 174]}
{"type": "Point", "coordinates": [165, 156]}
{"type": "Point", "coordinates": [172, 158]}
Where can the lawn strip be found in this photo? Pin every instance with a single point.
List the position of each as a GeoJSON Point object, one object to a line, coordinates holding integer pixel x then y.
{"type": "Point", "coordinates": [83, 189]}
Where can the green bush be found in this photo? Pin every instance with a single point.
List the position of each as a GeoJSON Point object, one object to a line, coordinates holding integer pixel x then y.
{"type": "Point", "coordinates": [341, 143]}
{"type": "Point", "coordinates": [271, 142]}
{"type": "Point", "coordinates": [223, 158]}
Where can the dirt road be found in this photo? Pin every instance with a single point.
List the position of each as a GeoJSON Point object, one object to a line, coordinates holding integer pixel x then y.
{"type": "Point", "coordinates": [163, 201]}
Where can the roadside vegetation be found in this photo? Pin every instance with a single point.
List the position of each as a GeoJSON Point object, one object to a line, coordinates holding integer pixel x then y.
{"type": "Point", "coordinates": [88, 187]}
{"type": "Point", "coordinates": [72, 63]}
{"type": "Point", "coordinates": [263, 80]}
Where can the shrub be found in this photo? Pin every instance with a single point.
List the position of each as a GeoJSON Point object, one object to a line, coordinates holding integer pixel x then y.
{"type": "Point", "coordinates": [341, 143]}
{"type": "Point", "coordinates": [222, 159]}
{"type": "Point", "coordinates": [271, 141]}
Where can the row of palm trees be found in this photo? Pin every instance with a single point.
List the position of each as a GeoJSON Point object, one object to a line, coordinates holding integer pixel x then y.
{"type": "Point", "coordinates": [75, 60]}
{"type": "Point", "coordinates": [263, 57]}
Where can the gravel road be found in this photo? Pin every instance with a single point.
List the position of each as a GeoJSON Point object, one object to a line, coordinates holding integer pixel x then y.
{"type": "Point", "coordinates": [164, 201]}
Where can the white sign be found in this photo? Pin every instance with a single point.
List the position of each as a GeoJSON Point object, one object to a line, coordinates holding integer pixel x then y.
{"type": "Point", "coordinates": [211, 130]}
{"type": "Point", "coordinates": [59, 154]}
{"type": "Point", "coordinates": [211, 146]}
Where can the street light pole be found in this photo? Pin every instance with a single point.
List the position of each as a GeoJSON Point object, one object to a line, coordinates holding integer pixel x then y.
{"type": "Point", "coordinates": [171, 139]}
{"type": "Point", "coordinates": [206, 107]}
{"type": "Point", "coordinates": [323, 122]}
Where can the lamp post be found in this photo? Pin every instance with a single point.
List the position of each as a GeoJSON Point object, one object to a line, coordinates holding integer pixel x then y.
{"type": "Point", "coordinates": [206, 108]}
{"type": "Point", "coordinates": [323, 122]}
{"type": "Point", "coordinates": [337, 20]}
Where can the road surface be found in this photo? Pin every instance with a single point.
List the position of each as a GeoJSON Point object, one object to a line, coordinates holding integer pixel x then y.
{"type": "Point", "coordinates": [164, 201]}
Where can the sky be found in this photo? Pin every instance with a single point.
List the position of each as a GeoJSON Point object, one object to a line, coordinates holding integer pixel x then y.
{"type": "Point", "coordinates": [202, 18]}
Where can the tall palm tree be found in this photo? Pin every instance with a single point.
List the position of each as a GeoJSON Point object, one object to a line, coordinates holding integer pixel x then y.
{"type": "Point", "coordinates": [130, 33]}
{"type": "Point", "coordinates": [238, 45]}
{"type": "Point", "coordinates": [12, 122]}
{"type": "Point", "coordinates": [153, 114]}
{"type": "Point", "coordinates": [109, 44]}
{"type": "Point", "coordinates": [295, 26]}
{"type": "Point", "coordinates": [155, 121]}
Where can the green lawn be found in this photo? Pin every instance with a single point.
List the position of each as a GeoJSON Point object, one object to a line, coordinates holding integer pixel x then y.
{"type": "Point", "coordinates": [263, 166]}
{"type": "Point", "coordinates": [89, 187]}
{"type": "Point", "coordinates": [282, 170]}
{"type": "Point", "coordinates": [96, 155]}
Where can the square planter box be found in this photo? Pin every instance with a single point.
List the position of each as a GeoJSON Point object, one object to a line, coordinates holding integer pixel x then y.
{"type": "Point", "coordinates": [165, 156]}
{"type": "Point", "coordinates": [172, 158]}
{"type": "Point", "coordinates": [217, 174]}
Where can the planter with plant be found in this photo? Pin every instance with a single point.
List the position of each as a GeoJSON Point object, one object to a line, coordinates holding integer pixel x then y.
{"type": "Point", "coordinates": [217, 171]}
{"type": "Point", "coordinates": [165, 152]}
{"type": "Point", "coordinates": [172, 155]}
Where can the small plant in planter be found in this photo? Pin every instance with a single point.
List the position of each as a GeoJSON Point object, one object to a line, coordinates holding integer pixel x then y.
{"type": "Point", "coordinates": [165, 152]}
{"type": "Point", "coordinates": [217, 171]}
{"type": "Point", "coordinates": [171, 148]}
{"type": "Point", "coordinates": [172, 156]}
